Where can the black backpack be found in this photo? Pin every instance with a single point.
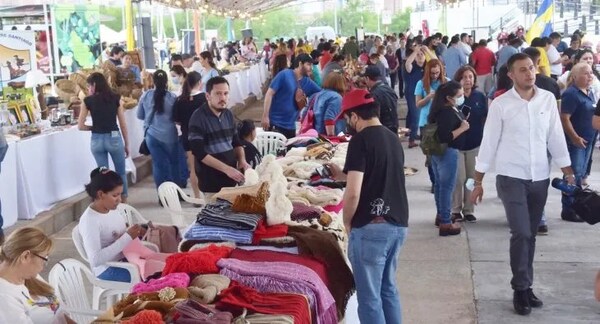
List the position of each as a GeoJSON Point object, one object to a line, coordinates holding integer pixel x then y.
{"type": "Point", "coordinates": [587, 206]}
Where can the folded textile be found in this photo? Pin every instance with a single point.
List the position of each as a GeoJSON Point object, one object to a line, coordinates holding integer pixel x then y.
{"type": "Point", "coordinates": [204, 288]}
{"type": "Point", "coordinates": [220, 214]}
{"type": "Point", "coordinates": [264, 319]}
{"type": "Point", "coordinates": [302, 212]}
{"type": "Point", "coordinates": [192, 312]}
{"type": "Point", "coordinates": [291, 250]}
{"type": "Point", "coordinates": [212, 233]}
{"type": "Point", "coordinates": [319, 197]}
{"type": "Point", "coordinates": [284, 277]}
{"type": "Point", "coordinates": [236, 298]}
{"type": "Point", "coordinates": [262, 231]}
{"type": "Point", "coordinates": [229, 193]}
{"type": "Point", "coordinates": [324, 247]}
{"type": "Point", "coordinates": [192, 245]}
{"type": "Point", "coordinates": [273, 256]}
{"type": "Point", "coordinates": [171, 279]}
{"type": "Point", "coordinates": [200, 261]}
{"type": "Point", "coordinates": [145, 317]}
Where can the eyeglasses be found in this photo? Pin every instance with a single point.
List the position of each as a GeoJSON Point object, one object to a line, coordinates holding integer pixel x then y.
{"type": "Point", "coordinates": [41, 257]}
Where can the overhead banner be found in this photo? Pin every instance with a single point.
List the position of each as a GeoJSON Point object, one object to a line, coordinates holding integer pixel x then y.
{"type": "Point", "coordinates": [17, 57]}
{"type": "Point", "coordinates": [77, 29]}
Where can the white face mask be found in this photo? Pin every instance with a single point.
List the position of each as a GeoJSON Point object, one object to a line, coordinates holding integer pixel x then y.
{"type": "Point", "coordinates": [176, 81]}
{"type": "Point", "coordinates": [459, 101]}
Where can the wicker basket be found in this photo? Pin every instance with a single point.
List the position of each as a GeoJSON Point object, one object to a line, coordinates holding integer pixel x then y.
{"type": "Point", "coordinates": [124, 91]}
{"type": "Point", "coordinates": [109, 66]}
{"type": "Point", "coordinates": [80, 80]}
{"type": "Point", "coordinates": [66, 89]}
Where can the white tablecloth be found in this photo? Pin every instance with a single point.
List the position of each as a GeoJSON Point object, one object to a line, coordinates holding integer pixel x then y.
{"type": "Point", "coordinates": [48, 168]}
{"type": "Point", "coordinates": [246, 82]}
{"type": "Point", "coordinates": [8, 186]}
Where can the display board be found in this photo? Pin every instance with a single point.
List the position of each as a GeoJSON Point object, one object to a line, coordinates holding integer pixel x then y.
{"type": "Point", "coordinates": [17, 57]}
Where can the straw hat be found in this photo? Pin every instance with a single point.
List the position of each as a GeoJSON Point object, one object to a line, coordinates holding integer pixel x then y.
{"type": "Point", "coordinates": [66, 89]}
{"type": "Point", "coordinates": [129, 103]}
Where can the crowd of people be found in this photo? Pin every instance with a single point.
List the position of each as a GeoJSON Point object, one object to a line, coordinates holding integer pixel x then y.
{"type": "Point", "coordinates": [536, 101]}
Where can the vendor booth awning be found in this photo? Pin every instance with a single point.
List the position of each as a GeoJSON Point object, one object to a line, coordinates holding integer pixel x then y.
{"type": "Point", "coordinates": [228, 8]}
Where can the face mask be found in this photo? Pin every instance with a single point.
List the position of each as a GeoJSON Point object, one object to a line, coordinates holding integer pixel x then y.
{"type": "Point", "coordinates": [459, 101]}
{"type": "Point", "coordinates": [176, 81]}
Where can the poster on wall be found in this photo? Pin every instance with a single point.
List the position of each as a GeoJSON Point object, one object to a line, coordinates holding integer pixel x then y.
{"type": "Point", "coordinates": [42, 53]}
{"type": "Point", "coordinates": [17, 57]}
{"type": "Point", "coordinates": [77, 29]}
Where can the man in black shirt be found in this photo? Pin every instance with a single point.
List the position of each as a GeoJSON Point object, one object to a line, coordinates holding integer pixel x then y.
{"type": "Point", "coordinates": [116, 54]}
{"type": "Point", "coordinates": [384, 96]}
{"type": "Point", "coordinates": [375, 207]}
{"type": "Point", "coordinates": [214, 141]}
{"type": "Point", "coordinates": [548, 84]}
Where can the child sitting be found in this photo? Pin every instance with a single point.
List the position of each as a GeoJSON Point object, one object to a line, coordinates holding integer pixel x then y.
{"type": "Point", "coordinates": [247, 134]}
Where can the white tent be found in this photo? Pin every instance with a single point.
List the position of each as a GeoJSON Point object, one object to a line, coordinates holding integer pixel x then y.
{"type": "Point", "coordinates": [110, 36]}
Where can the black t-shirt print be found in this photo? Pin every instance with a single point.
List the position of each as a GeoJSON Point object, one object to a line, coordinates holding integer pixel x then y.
{"type": "Point", "coordinates": [377, 152]}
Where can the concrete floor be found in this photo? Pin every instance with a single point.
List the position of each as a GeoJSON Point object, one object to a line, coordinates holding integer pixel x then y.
{"type": "Point", "coordinates": [461, 279]}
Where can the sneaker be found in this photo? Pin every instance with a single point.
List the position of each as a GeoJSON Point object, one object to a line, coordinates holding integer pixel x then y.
{"type": "Point", "coordinates": [457, 217]}
{"type": "Point", "coordinates": [521, 302]}
{"type": "Point", "coordinates": [470, 218]}
{"type": "Point", "coordinates": [449, 229]}
{"type": "Point", "coordinates": [542, 230]}
{"type": "Point", "coordinates": [533, 300]}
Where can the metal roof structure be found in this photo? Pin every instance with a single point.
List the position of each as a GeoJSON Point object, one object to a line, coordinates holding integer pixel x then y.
{"type": "Point", "coordinates": [228, 8]}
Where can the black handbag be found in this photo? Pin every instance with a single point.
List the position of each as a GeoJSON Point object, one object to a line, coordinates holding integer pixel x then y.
{"type": "Point", "coordinates": [144, 147]}
{"type": "Point", "coordinates": [587, 206]}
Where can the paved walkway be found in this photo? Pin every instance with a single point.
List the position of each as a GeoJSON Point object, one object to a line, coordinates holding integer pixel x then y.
{"type": "Point", "coordinates": [462, 279]}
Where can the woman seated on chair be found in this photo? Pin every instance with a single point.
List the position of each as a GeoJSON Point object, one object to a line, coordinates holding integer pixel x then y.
{"type": "Point", "coordinates": [102, 227]}
{"type": "Point", "coordinates": [25, 297]}
{"type": "Point", "coordinates": [247, 133]}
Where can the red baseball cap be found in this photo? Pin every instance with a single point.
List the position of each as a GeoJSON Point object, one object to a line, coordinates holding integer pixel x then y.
{"type": "Point", "coordinates": [353, 99]}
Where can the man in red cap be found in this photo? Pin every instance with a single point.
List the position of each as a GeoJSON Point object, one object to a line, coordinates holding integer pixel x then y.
{"type": "Point", "coordinates": [375, 207]}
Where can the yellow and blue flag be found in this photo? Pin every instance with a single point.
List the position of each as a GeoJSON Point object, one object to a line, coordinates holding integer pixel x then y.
{"type": "Point", "coordinates": [542, 25]}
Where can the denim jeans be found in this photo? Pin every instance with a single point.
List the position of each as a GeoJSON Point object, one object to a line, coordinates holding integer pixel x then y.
{"type": "Point", "coordinates": [115, 274]}
{"type": "Point", "coordinates": [373, 251]}
{"type": "Point", "coordinates": [445, 170]}
{"type": "Point", "coordinates": [3, 150]}
{"type": "Point", "coordinates": [184, 171]}
{"type": "Point", "coordinates": [110, 143]}
{"type": "Point", "coordinates": [412, 115]}
{"type": "Point", "coordinates": [580, 158]}
{"type": "Point", "coordinates": [165, 160]}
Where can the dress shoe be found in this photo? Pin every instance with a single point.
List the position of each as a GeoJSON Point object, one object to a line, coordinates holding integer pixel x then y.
{"type": "Point", "coordinates": [412, 144]}
{"type": "Point", "coordinates": [457, 217]}
{"type": "Point", "coordinates": [521, 302]}
{"type": "Point", "coordinates": [533, 300]}
{"type": "Point", "coordinates": [570, 216]}
{"type": "Point", "coordinates": [449, 229]}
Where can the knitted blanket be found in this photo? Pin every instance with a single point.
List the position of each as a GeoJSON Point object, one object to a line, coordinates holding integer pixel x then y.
{"type": "Point", "coordinates": [198, 262]}
{"type": "Point", "coordinates": [236, 298]}
{"type": "Point", "coordinates": [220, 214]}
{"type": "Point", "coordinates": [284, 277]}
{"type": "Point", "coordinates": [324, 247]}
{"type": "Point", "coordinates": [218, 234]}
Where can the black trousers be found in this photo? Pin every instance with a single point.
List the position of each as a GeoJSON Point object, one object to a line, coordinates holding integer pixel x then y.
{"type": "Point", "coordinates": [400, 83]}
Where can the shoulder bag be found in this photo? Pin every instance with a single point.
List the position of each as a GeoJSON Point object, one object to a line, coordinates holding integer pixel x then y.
{"type": "Point", "coordinates": [143, 146]}
{"type": "Point", "coordinates": [308, 121]}
{"type": "Point", "coordinates": [300, 97]}
{"type": "Point", "coordinates": [430, 141]}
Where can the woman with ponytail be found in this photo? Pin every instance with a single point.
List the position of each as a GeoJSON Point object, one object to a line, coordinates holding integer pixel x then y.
{"type": "Point", "coordinates": [156, 110]}
{"type": "Point", "coordinates": [25, 297]}
{"type": "Point", "coordinates": [209, 69]}
{"type": "Point", "coordinates": [190, 100]}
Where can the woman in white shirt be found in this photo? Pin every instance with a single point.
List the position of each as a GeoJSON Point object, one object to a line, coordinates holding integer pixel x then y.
{"type": "Point", "coordinates": [102, 227]}
{"type": "Point", "coordinates": [25, 298]}
{"type": "Point", "coordinates": [209, 69]}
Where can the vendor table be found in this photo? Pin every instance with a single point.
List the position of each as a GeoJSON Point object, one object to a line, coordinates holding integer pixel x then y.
{"type": "Point", "coordinates": [41, 170]}
{"type": "Point", "coordinates": [245, 82]}
{"type": "Point", "coordinates": [8, 186]}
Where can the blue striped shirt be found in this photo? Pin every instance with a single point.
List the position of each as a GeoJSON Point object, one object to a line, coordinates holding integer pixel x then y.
{"type": "Point", "coordinates": [218, 234]}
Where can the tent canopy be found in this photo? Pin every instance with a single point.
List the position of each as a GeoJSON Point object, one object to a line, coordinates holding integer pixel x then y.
{"type": "Point", "coordinates": [228, 8]}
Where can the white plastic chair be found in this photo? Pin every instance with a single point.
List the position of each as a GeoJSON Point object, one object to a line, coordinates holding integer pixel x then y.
{"type": "Point", "coordinates": [168, 193]}
{"type": "Point", "coordinates": [107, 288]}
{"type": "Point", "coordinates": [131, 215]}
{"type": "Point", "coordinates": [68, 280]}
{"type": "Point", "coordinates": [269, 142]}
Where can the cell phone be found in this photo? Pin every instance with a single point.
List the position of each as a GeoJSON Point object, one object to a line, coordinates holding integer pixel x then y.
{"type": "Point", "coordinates": [466, 110]}
{"type": "Point", "coordinates": [323, 171]}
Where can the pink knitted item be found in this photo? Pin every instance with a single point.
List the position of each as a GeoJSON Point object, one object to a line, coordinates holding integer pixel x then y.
{"type": "Point", "coordinates": [334, 208]}
{"type": "Point", "coordinates": [173, 280]}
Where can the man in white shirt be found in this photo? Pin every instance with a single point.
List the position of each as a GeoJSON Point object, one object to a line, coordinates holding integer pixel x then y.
{"type": "Point", "coordinates": [522, 132]}
{"type": "Point", "coordinates": [464, 45]}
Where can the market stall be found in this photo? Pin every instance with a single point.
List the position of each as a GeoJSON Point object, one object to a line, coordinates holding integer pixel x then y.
{"type": "Point", "coordinates": [44, 169]}
{"type": "Point", "coordinates": [245, 80]}
{"type": "Point", "coordinates": [273, 249]}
